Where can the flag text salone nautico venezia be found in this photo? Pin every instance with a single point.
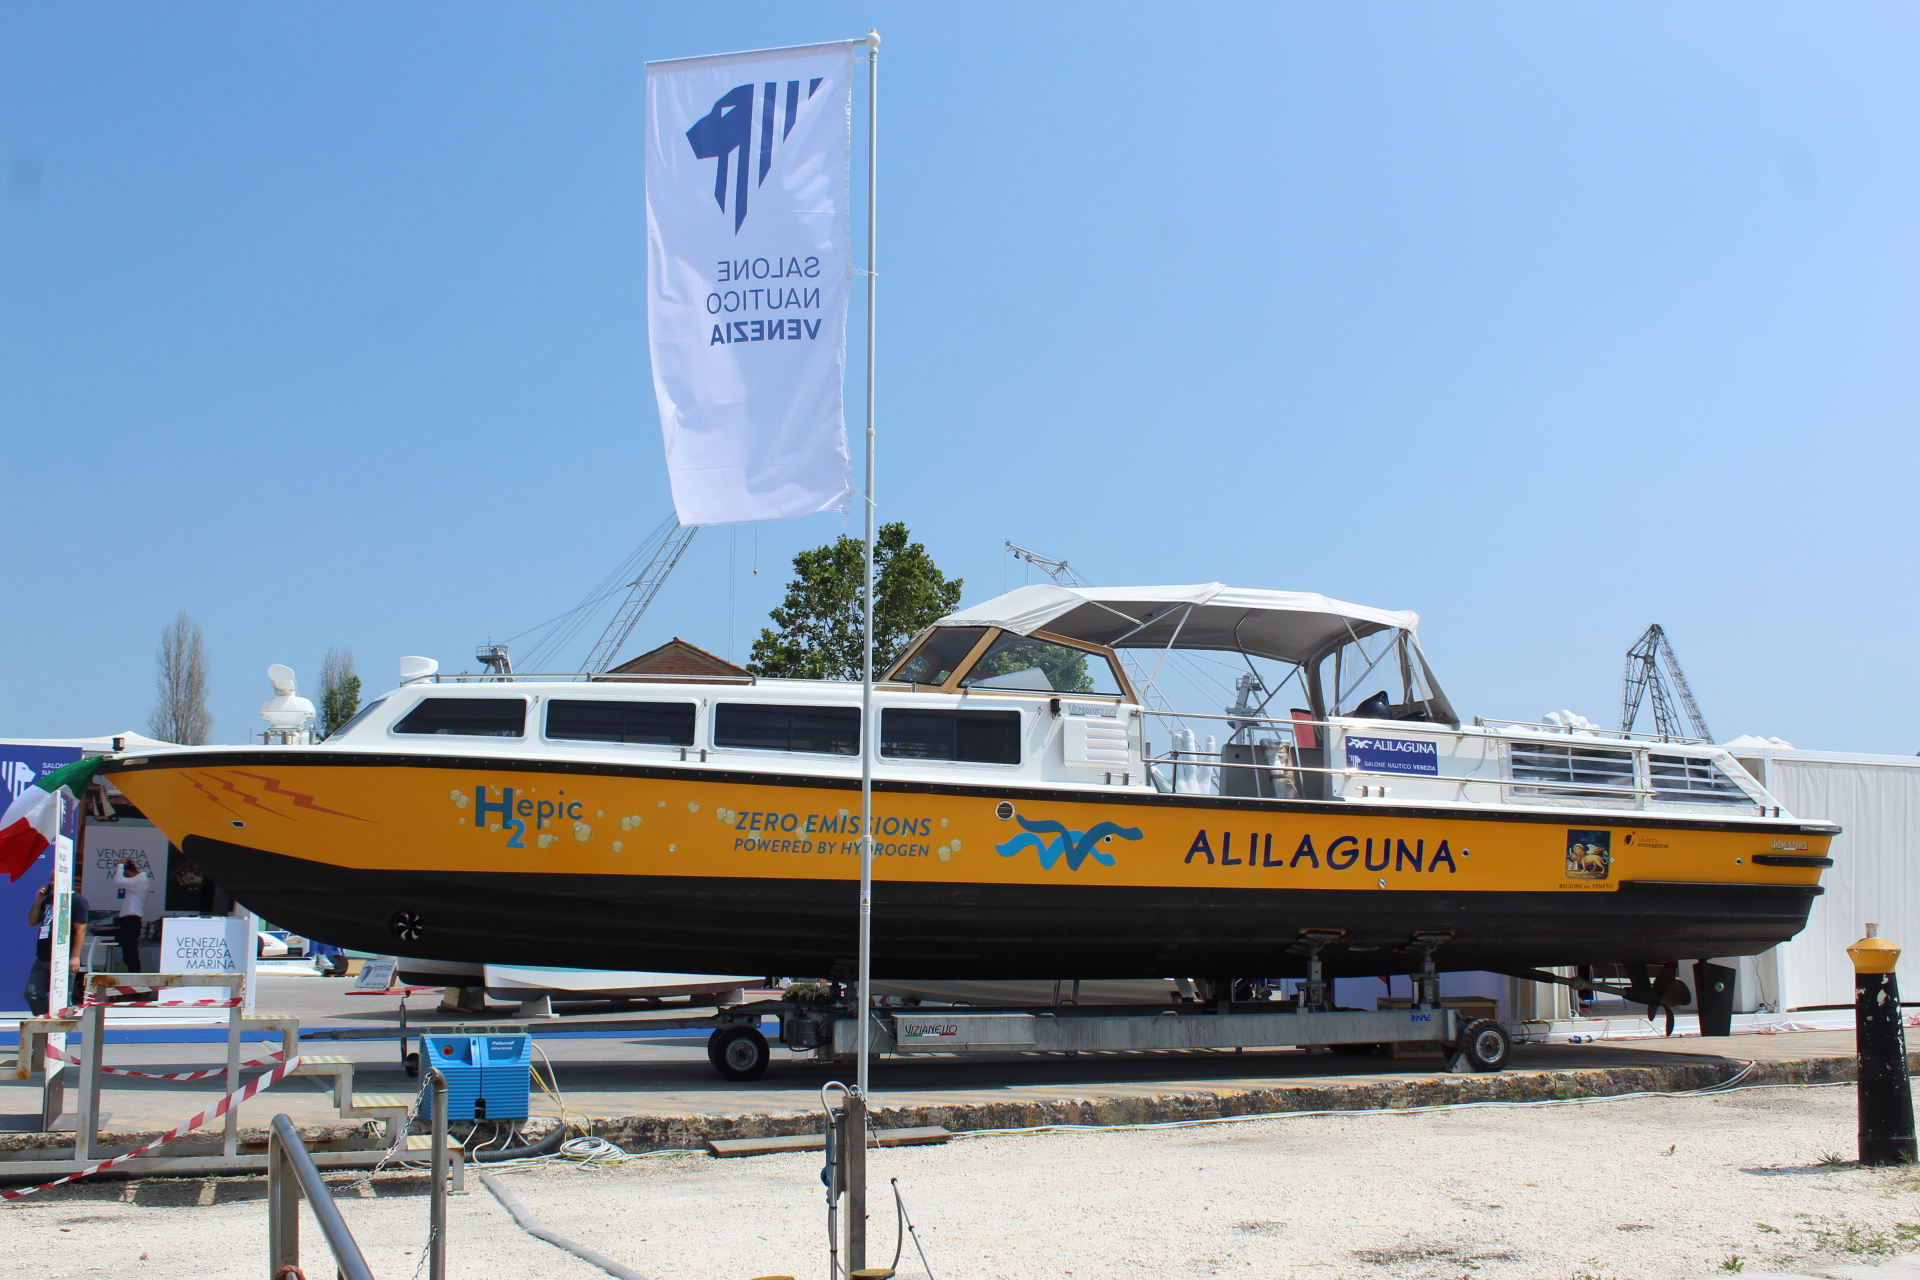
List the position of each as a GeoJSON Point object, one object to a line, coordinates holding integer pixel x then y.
{"type": "Point", "coordinates": [747, 271]}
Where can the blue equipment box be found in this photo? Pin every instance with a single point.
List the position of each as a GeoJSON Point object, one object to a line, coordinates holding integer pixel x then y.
{"type": "Point", "coordinates": [488, 1077]}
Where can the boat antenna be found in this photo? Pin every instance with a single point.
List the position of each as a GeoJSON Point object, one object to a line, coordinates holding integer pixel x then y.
{"type": "Point", "coordinates": [1061, 572]}
{"type": "Point", "coordinates": [1645, 660]}
{"type": "Point", "coordinates": [1058, 570]}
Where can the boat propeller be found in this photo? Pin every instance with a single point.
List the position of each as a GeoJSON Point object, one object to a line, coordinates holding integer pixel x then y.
{"type": "Point", "coordinates": [1664, 993]}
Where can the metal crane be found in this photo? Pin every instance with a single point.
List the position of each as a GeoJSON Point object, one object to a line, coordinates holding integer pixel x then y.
{"type": "Point", "coordinates": [1645, 659]}
{"type": "Point", "coordinates": [1055, 569]}
{"type": "Point", "coordinates": [674, 539]}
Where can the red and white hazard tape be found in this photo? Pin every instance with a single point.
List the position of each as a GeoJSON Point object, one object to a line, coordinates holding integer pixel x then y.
{"type": "Point", "coordinates": [214, 1112]}
{"type": "Point", "coordinates": [55, 1055]}
{"type": "Point", "coordinates": [154, 1004]}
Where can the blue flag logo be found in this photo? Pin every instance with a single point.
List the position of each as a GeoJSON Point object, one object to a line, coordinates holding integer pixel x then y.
{"type": "Point", "coordinates": [725, 136]}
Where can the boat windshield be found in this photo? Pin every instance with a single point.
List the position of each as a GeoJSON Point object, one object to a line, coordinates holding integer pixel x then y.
{"type": "Point", "coordinates": [1028, 662]}
{"type": "Point", "coordinates": [939, 655]}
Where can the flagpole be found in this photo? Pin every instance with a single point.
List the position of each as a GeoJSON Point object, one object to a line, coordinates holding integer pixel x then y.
{"type": "Point", "coordinates": [863, 999]}
{"type": "Point", "coordinates": [59, 979]}
{"type": "Point", "coordinates": [866, 661]}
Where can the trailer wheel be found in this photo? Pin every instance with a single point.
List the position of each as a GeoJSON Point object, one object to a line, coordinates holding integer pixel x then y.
{"type": "Point", "coordinates": [738, 1053]}
{"type": "Point", "coordinates": [1485, 1044]}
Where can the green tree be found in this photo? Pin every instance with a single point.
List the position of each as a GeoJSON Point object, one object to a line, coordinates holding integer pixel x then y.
{"type": "Point", "coordinates": [339, 691]}
{"type": "Point", "coordinates": [818, 635]}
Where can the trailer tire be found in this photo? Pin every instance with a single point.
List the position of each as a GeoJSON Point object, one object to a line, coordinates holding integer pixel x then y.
{"type": "Point", "coordinates": [739, 1053]}
{"type": "Point", "coordinates": [1485, 1044]}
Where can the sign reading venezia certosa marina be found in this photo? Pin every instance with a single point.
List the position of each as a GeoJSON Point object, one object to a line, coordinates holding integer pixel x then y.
{"type": "Point", "coordinates": [747, 269]}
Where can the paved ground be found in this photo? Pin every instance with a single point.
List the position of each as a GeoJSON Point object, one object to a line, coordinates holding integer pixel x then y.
{"type": "Point", "coordinates": [667, 1074]}
{"type": "Point", "coordinates": [1632, 1189]}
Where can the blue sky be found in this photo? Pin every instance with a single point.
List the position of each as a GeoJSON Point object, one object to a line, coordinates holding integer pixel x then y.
{"type": "Point", "coordinates": [327, 324]}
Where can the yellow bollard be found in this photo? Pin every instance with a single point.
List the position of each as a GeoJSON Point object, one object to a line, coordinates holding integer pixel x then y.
{"type": "Point", "coordinates": [1880, 1040]}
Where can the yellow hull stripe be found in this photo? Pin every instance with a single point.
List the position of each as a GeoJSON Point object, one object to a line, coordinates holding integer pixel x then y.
{"type": "Point", "coordinates": [489, 819]}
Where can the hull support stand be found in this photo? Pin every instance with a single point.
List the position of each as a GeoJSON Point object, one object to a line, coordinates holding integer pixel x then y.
{"type": "Point", "coordinates": [1426, 981]}
{"type": "Point", "coordinates": [1313, 994]}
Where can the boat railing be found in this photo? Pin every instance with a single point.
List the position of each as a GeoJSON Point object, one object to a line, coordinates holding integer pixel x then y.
{"type": "Point", "coordinates": [579, 677]}
{"type": "Point", "coordinates": [1192, 770]}
{"type": "Point", "coordinates": [1587, 731]}
{"type": "Point", "coordinates": [1214, 760]}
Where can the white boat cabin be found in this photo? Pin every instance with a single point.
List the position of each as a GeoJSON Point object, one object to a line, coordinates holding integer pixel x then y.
{"type": "Point", "coordinates": [1050, 686]}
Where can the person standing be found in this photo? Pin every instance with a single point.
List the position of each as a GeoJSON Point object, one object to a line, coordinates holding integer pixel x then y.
{"type": "Point", "coordinates": [39, 977]}
{"type": "Point", "coordinates": [131, 883]}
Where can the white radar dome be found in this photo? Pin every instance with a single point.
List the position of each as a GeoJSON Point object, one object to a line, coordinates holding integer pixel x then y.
{"type": "Point", "coordinates": [417, 668]}
{"type": "Point", "coordinates": [285, 711]}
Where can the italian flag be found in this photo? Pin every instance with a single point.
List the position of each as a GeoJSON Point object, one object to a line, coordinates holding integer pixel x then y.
{"type": "Point", "coordinates": [33, 819]}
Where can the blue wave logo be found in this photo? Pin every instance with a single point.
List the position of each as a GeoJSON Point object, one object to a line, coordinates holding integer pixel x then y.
{"type": "Point", "coordinates": [1075, 846]}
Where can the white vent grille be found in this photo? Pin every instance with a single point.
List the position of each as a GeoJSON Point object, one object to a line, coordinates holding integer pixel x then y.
{"type": "Point", "coordinates": [1096, 742]}
{"type": "Point", "coordinates": [1572, 768]}
{"type": "Point", "coordinates": [1691, 780]}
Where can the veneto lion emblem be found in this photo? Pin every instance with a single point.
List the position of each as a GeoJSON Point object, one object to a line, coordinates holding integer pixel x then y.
{"type": "Point", "coordinates": [1589, 855]}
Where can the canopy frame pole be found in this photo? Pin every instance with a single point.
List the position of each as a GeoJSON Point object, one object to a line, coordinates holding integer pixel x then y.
{"type": "Point", "coordinates": [1185, 613]}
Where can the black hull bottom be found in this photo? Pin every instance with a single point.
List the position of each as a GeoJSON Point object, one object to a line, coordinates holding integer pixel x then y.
{"type": "Point", "coordinates": [984, 931]}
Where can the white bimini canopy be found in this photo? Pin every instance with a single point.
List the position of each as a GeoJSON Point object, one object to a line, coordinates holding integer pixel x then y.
{"type": "Point", "coordinates": [1288, 626]}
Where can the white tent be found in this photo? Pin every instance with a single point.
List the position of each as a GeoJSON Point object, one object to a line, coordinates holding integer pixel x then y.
{"type": "Point", "coordinates": [105, 744]}
{"type": "Point", "coordinates": [1876, 801]}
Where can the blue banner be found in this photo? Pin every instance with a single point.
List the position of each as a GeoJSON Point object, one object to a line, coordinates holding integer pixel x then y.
{"type": "Point", "coordinates": [1393, 755]}
{"type": "Point", "coordinates": [20, 764]}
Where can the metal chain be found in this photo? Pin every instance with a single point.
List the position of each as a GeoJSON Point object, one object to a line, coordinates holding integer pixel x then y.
{"type": "Point", "coordinates": [413, 1113]}
{"type": "Point", "coordinates": [426, 1251]}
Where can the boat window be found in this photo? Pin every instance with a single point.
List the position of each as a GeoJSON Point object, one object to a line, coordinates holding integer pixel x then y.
{"type": "Point", "coordinates": [833, 731]}
{"type": "Point", "coordinates": [1690, 780]}
{"type": "Point", "coordinates": [467, 717]}
{"type": "Point", "coordinates": [358, 716]}
{"type": "Point", "coordinates": [980, 737]}
{"type": "Point", "coordinates": [1024, 662]}
{"type": "Point", "coordinates": [661, 723]}
{"type": "Point", "coordinates": [1572, 767]}
{"type": "Point", "coordinates": [939, 655]}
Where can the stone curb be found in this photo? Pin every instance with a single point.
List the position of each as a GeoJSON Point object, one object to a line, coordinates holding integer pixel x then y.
{"type": "Point", "coordinates": [691, 1132]}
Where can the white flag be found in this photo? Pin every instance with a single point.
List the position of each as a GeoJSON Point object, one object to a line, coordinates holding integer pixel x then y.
{"type": "Point", "coordinates": [747, 271]}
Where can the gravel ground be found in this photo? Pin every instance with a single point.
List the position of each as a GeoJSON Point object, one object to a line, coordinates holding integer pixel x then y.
{"type": "Point", "coordinates": [1652, 1188]}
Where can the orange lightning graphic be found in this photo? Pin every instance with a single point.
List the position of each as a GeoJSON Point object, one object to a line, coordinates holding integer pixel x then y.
{"type": "Point", "coordinates": [202, 789]}
{"type": "Point", "coordinates": [237, 792]}
{"type": "Point", "coordinates": [299, 798]}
